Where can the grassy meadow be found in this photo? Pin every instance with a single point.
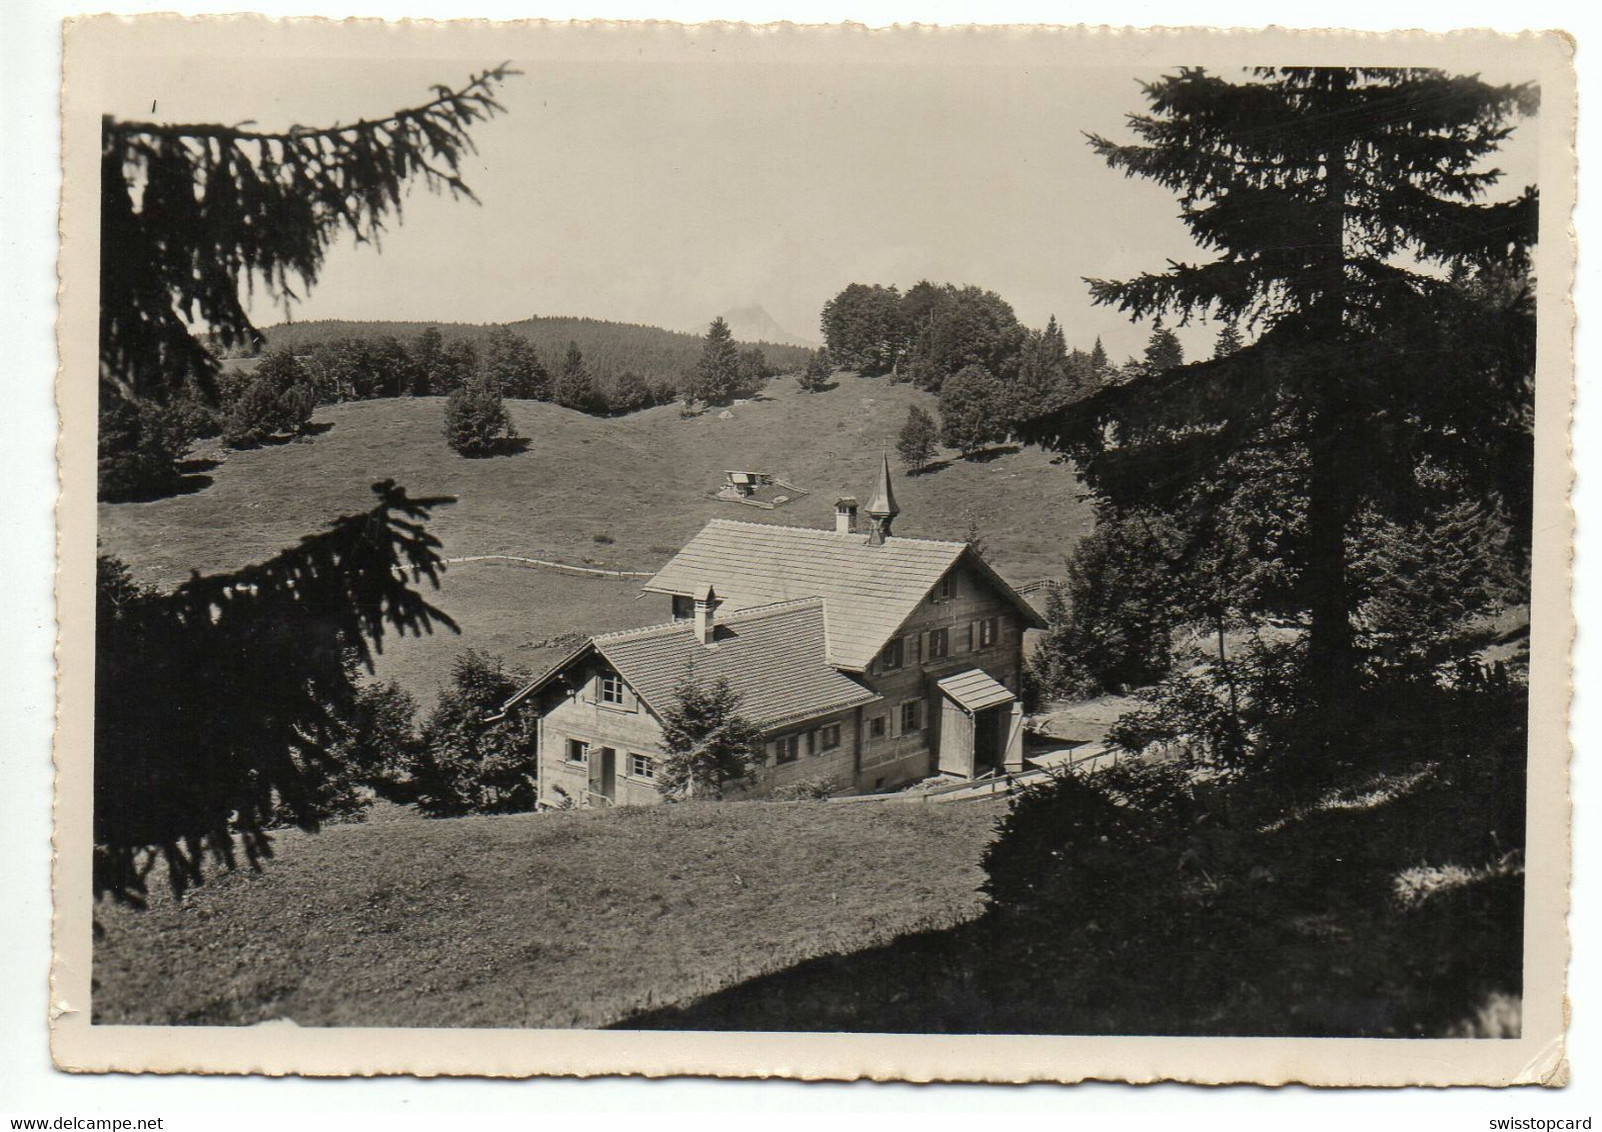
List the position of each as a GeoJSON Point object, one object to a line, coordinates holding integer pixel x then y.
{"type": "Point", "coordinates": [620, 493]}
{"type": "Point", "coordinates": [1373, 912]}
{"type": "Point", "coordinates": [575, 919]}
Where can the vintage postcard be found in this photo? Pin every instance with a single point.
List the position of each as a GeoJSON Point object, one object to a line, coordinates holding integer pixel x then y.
{"type": "Point", "coordinates": [989, 554]}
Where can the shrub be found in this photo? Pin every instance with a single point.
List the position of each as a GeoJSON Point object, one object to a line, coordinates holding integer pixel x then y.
{"type": "Point", "coordinates": [139, 448]}
{"type": "Point", "coordinates": [812, 789]}
{"type": "Point", "coordinates": [475, 418]}
{"type": "Point", "coordinates": [1088, 841]}
{"type": "Point", "coordinates": [278, 399]}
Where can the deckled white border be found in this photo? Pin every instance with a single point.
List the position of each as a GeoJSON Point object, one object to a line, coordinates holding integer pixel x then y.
{"type": "Point", "coordinates": [280, 1049]}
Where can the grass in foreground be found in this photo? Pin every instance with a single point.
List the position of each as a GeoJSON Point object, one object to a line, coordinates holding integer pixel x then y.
{"type": "Point", "coordinates": [1378, 912]}
{"type": "Point", "coordinates": [563, 919]}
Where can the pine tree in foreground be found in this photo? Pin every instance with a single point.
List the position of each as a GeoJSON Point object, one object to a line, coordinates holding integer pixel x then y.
{"type": "Point", "coordinates": [248, 205]}
{"type": "Point", "coordinates": [187, 769]}
{"type": "Point", "coordinates": [1326, 218]}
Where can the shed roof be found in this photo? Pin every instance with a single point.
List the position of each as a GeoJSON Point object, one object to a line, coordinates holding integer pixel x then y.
{"type": "Point", "coordinates": [975, 690]}
{"type": "Point", "coordinates": [868, 591]}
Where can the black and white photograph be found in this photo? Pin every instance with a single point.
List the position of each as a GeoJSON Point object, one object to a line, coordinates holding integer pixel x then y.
{"type": "Point", "coordinates": [680, 533]}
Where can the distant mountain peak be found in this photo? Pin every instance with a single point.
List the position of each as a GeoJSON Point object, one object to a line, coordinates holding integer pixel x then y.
{"type": "Point", "coordinates": [753, 323]}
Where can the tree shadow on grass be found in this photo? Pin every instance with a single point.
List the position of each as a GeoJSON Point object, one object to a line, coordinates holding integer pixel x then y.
{"type": "Point", "coordinates": [184, 482]}
{"type": "Point", "coordinates": [1214, 976]}
{"type": "Point", "coordinates": [1272, 938]}
{"type": "Point", "coordinates": [504, 446]}
{"type": "Point", "coordinates": [985, 455]}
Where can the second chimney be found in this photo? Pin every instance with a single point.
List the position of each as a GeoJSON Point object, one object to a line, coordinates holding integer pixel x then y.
{"type": "Point", "coordinates": [706, 607]}
{"type": "Point", "coordinates": [845, 516]}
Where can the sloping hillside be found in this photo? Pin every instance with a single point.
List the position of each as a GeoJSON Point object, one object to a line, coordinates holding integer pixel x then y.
{"type": "Point", "coordinates": [619, 493]}
{"type": "Point", "coordinates": [561, 919]}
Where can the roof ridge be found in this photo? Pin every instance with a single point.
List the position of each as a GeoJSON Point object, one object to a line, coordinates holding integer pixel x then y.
{"type": "Point", "coordinates": [830, 531]}
{"type": "Point", "coordinates": [748, 614]}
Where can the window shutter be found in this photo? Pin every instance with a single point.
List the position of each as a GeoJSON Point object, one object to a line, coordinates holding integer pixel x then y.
{"type": "Point", "coordinates": [631, 702]}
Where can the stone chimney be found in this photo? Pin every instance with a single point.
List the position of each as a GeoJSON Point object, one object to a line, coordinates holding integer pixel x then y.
{"type": "Point", "coordinates": [845, 516]}
{"type": "Point", "coordinates": [882, 509]}
{"type": "Point", "coordinates": [706, 609]}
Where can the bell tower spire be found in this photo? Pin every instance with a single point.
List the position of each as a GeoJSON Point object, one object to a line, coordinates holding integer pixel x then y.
{"type": "Point", "coordinates": [882, 509]}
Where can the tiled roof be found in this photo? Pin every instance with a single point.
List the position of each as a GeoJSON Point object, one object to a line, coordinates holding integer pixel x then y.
{"type": "Point", "coordinates": [772, 656]}
{"type": "Point", "coordinates": [975, 690]}
{"type": "Point", "coordinates": [868, 591]}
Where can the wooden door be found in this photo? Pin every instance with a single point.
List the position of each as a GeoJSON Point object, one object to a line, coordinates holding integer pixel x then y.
{"type": "Point", "coordinates": [956, 740]}
{"type": "Point", "coordinates": [603, 775]}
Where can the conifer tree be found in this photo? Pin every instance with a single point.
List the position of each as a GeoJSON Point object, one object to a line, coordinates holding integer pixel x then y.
{"type": "Point", "coordinates": [1042, 383]}
{"type": "Point", "coordinates": [471, 758]}
{"type": "Point", "coordinates": [275, 400]}
{"type": "Point", "coordinates": [514, 363]}
{"type": "Point", "coordinates": [184, 762]}
{"type": "Point", "coordinates": [190, 212]}
{"type": "Point", "coordinates": [1322, 194]}
{"type": "Point", "coordinates": [916, 442]}
{"type": "Point", "coordinates": [1101, 366]}
{"type": "Point", "coordinates": [717, 374]}
{"type": "Point", "coordinates": [574, 387]}
{"type": "Point", "coordinates": [1163, 351]}
{"type": "Point", "coordinates": [427, 355]}
{"type": "Point", "coordinates": [709, 746]}
{"type": "Point", "coordinates": [973, 410]}
{"type": "Point", "coordinates": [1229, 341]}
{"type": "Point", "coordinates": [819, 369]}
{"type": "Point", "coordinates": [476, 423]}
{"type": "Point", "coordinates": [185, 759]}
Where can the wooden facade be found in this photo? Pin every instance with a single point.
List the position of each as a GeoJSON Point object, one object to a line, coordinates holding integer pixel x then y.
{"type": "Point", "coordinates": [600, 743]}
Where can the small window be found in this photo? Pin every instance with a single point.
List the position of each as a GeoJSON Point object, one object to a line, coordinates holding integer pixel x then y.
{"type": "Point", "coordinates": [829, 737]}
{"type": "Point", "coordinates": [876, 727]}
{"type": "Point", "coordinates": [938, 643]}
{"type": "Point", "coordinates": [642, 766]}
{"type": "Point", "coordinates": [683, 608]}
{"type": "Point", "coordinates": [788, 748]}
{"type": "Point", "coordinates": [942, 590]}
{"type": "Point", "coordinates": [912, 716]}
{"type": "Point", "coordinates": [893, 655]}
{"type": "Point", "coordinates": [578, 751]}
{"type": "Point", "coordinates": [988, 632]}
{"type": "Point", "coordinates": [612, 688]}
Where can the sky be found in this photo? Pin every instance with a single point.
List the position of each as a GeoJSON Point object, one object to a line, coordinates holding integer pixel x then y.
{"type": "Point", "coordinates": [667, 192]}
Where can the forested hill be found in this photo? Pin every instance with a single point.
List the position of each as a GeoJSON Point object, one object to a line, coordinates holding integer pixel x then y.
{"type": "Point", "coordinates": [608, 347]}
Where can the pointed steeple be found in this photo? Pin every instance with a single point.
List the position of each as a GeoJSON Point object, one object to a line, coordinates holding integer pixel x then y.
{"type": "Point", "coordinates": [882, 508]}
